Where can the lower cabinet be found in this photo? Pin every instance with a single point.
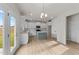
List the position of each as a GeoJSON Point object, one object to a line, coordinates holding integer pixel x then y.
{"type": "Point", "coordinates": [24, 38]}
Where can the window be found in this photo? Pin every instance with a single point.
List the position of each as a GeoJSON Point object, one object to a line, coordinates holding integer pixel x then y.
{"type": "Point", "coordinates": [1, 30]}
{"type": "Point", "coordinates": [12, 31]}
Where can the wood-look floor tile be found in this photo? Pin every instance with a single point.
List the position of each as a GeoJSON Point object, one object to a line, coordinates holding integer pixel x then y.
{"type": "Point", "coordinates": [48, 47]}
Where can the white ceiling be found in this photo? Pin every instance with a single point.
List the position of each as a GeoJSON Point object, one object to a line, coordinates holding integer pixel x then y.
{"type": "Point", "coordinates": [52, 9]}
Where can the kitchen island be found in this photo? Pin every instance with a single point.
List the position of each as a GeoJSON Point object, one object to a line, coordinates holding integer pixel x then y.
{"type": "Point", "coordinates": [42, 35]}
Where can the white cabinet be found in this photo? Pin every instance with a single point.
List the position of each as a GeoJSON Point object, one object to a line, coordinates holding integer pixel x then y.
{"type": "Point", "coordinates": [24, 38]}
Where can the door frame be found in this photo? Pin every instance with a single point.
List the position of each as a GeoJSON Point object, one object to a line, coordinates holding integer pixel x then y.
{"type": "Point", "coordinates": [6, 35]}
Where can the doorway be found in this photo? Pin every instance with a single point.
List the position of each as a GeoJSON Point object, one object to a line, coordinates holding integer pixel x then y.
{"type": "Point", "coordinates": [49, 31]}
{"type": "Point", "coordinates": [73, 28]}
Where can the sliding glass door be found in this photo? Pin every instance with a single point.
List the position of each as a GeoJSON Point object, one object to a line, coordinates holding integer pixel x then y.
{"type": "Point", "coordinates": [12, 31]}
{"type": "Point", "coordinates": [7, 32]}
{"type": "Point", "coordinates": [1, 30]}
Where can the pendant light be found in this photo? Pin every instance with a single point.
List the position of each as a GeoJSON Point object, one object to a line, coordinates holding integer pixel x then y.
{"type": "Point", "coordinates": [43, 15]}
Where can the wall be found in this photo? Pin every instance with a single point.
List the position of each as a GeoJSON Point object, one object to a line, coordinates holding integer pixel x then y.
{"type": "Point", "coordinates": [59, 28]}
{"type": "Point", "coordinates": [12, 9]}
{"type": "Point", "coordinates": [59, 25]}
{"type": "Point", "coordinates": [73, 28]}
{"type": "Point", "coordinates": [54, 34]}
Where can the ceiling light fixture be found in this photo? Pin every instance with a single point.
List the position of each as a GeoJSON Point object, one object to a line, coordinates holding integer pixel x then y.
{"type": "Point", "coordinates": [43, 15]}
{"type": "Point", "coordinates": [40, 16]}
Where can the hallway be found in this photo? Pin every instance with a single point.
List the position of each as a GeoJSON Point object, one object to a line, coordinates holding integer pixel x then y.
{"type": "Point", "coordinates": [48, 47]}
